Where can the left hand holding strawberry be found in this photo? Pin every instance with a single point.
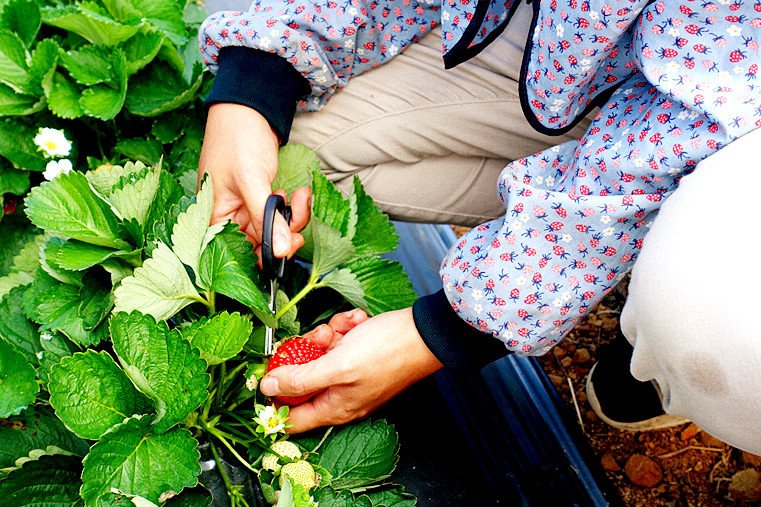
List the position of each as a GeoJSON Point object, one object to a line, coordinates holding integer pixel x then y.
{"type": "Point", "coordinates": [367, 362]}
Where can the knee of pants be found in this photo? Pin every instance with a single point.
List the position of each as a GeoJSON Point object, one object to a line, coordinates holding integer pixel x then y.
{"type": "Point", "coordinates": [693, 300]}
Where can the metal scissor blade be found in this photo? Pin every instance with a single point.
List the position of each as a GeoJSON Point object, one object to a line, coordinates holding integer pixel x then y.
{"type": "Point", "coordinates": [269, 335]}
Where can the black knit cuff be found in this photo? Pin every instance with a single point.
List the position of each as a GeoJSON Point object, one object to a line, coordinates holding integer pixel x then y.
{"type": "Point", "coordinates": [459, 346]}
{"type": "Point", "coordinates": [261, 81]}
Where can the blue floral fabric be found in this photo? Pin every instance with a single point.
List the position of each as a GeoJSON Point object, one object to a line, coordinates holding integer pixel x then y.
{"type": "Point", "coordinates": [675, 82]}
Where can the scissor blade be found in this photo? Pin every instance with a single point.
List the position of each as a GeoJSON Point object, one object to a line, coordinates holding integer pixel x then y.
{"type": "Point", "coordinates": [269, 335]}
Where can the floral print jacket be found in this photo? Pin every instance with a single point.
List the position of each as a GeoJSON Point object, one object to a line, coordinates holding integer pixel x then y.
{"type": "Point", "coordinates": [675, 82]}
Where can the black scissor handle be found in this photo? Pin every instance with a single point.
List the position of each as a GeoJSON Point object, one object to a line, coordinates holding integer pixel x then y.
{"type": "Point", "coordinates": [273, 267]}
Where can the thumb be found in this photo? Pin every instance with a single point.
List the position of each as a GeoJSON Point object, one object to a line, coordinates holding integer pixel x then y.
{"type": "Point", "coordinates": [299, 379]}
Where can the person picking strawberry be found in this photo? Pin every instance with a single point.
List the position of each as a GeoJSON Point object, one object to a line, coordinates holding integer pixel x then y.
{"type": "Point", "coordinates": [598, 124]}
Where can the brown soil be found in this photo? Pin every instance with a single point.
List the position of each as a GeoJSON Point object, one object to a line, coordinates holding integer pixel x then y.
{"type": "Point", "coordinates": [697, 469]}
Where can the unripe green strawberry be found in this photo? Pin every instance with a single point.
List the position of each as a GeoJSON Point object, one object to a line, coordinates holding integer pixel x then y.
{"type": "Point", "coordinates": [286, 449]}
{"type": "Point", "coordinates": [270, 462]}
{"type": "Point", "coordinates": [301, 472]}
{"type": "Point", "coordinates": [295, 351]}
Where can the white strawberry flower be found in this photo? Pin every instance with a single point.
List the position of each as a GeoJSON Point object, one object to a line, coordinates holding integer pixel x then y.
{"type": "Point", "coordinates": [270, 420]}
{"type": "Point", "coordinates": [52, 142]}
{"type": "Point", "coordinates": [734, 30]}
{"type": "Point", "coordinates": [56, 167]}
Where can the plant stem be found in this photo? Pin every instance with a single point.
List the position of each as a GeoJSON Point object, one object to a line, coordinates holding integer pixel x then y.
{"type": "Point", "coordinates": [312, 284]}
{"type": "Point", "coordinates": [232, 491]}
{"type": "Point", "coordinates": [211, 296]}
{"type": "Point", "coordinates": [221, 437]}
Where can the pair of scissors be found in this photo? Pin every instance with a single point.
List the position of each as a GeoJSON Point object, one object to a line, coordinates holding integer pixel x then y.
{"type": "Point", "coordinates": [272, 267]}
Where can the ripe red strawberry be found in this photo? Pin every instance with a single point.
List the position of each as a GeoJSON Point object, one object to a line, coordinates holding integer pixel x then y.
{"type": "Point", "coordinates": [295, 351]}
{"type": "Point", "coordinates": [667, 53]}
{"type": "Point", "coordinates": [9, 206]}
{"type": "Point", "coordinates": [692, 29]}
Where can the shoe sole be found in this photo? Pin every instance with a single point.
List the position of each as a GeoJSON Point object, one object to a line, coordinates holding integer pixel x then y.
{"type": "Point", "coordinates": [654, 423]}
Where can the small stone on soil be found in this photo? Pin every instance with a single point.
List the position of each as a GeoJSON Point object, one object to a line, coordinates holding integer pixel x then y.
{"type": "Point", "coordinates": [643, 471]}
{"type": "Point", "coordinates": [746, 485]}
{"type": "Point", "coordinates": [581, 356]}
{"type": "Point", "coordinates": [689, 432]}
{"type": "Point", "coordinates": [609, 463]}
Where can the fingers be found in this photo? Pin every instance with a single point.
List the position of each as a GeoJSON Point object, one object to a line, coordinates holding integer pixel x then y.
{"type": "Point", "coordinates": [323, 335]}
{"type": "Point", "coordinates": [300, 208]}
{"type": "Point", "coordinates": [297, 380]}
{"type": "Point", "coordinates": [322, 410]}
{"type": "Point", "coordinates": [346, 321]}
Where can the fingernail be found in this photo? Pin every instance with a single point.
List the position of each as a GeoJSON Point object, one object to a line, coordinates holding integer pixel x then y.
{"type": "Point", "coordinates": [281, 245]}
{"type": "Point", "coordinates": [269, 386]}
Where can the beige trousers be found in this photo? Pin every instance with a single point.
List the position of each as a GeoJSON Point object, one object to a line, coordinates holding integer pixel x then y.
{"type": "Point", "coordinates": [428, 143]}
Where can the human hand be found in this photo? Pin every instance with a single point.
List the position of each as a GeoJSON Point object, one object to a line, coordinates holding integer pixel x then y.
{"type": "Point", "coordinates": [367, 362]}
{"type": "Point", "coordinates": [240, 152]}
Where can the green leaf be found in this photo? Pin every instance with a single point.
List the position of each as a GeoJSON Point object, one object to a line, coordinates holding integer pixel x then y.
{"type": "Point", "coordinates": [141, 49]}
{"type": "Point", "coordinates": [161, 364]}
{"type": "Point", "coordinates": [121, 10]}
{"type": "Point", "coordinates": [96, 301]}
{"type": "Point", "coordinates": [43, 66]}
{"type": "Point", "coordinates": [219, 338]}
{"type": "Point", "coordinates": [394, 496]}
{"type": "Point", "coordinates": [375, 233]}
{"type": "Point", "coordinates": [146, 150]}
{"type": "Point", "coordinates": [36, 428]}
{"type": "Point", "coordinates": [52, 481]}
{"type": "Point", "coordinates": [16, 232]}
{"type": "Point", "coordinates": [330, 206]}
{"type": "Point", "coordinates": [16, 329]}
{"type": "Point", "coordinates": [91, 25]}
{"type": "Point", "coordinates": [169, 127]}
{"type": "Point", "coordinates": [13, 181]}
{"type": "Point", "coordinates": [90, 393]}
{"type": "Point", "coordinates": [105, 101]}
{"type": "Point", "coordinates": [159, 89]}
{"type": "Point", "coordinates": [89, 65]}
{"type": "Point", "coordinates": [160, 287]}
{"type": "Point", "coordinates": [135, 460]}
{"type": "Point", "coordinates": [50, 267]}
{"type": "Point", "coordinates": [295, 165]}
{"type": "Point", "coordinates": [288, 322]}
{"type": "Point", "coordinates": [13, 280]}
{"type": "Point", "coordinates": [373, 284]}
{"type": "Point", "coordinates": [331, 248]}
{"type": "Point", "coordinates": [186, 152]}
{"type": "Point", "coordinates": [166, 16]}
{"type": "Point", "coordinates": [18, 383]}
{"type": "Point", "coordinates": [133, 199]}
{"type": "Point", "coordinates": [56, 306]}
{"type": "Point", "coordinates": [69, 207]}
{"type": "Point", "coordinates": [63, 100]}
{"type": "Point", "coordinates": [77, 256]}
{"type": "Point", "coordinates": [167, 196]}
{"type": "Point", "coordinates": [22, 17]}
{"type": "Point", "coordinates": [192, 232]}
{"type": "Point", "coordinates": [360, 454]}
{"type": "Point", "coordinates": [14, 70]}
{"type": "Point", "coordinates": [13, 103]}
{"type": "Point", "coordinates": [385, 285]}
{"type": "Point", "coordinates": [329, 497]}
{"type": "Point", "coordinates": [227, 267]}
{"type": "Point", "coordinates": [107, 176]}
{"type": "Point", "coordinates": [17, 145]}
{"type": "Point", "coordinates": [54, 348]}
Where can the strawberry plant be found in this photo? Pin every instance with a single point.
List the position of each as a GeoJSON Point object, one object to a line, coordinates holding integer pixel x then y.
{"type": "Point", "coordinates": [120, 79]}
{"type": "Point", "coordinates": [132, 331]}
